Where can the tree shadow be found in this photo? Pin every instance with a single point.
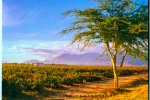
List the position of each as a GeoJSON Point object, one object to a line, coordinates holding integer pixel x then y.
{"type": "Point", "coordinates": [135, 83]}
{"type": "Point", "coordinates": [21, 96]}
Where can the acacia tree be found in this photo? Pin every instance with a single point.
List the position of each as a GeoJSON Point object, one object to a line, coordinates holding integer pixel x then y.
{"type": "Point", "coordinates": [121, 25]}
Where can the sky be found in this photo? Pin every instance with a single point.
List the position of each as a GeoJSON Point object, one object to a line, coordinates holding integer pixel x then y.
{"type": "Point", "coordinates": [30, 27]}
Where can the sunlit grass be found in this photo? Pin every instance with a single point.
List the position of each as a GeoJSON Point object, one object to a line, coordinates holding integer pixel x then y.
{"type": "Point", "coordinates": [132, 93]}
{"type": "Point", "coordinates": [137, 93]}
{"type": "Point", "coordinates": [136, 90]}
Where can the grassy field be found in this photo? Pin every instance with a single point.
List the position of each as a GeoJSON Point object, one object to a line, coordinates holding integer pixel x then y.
{"type": "Point", "coordinates": [28, 82]}
{"type": "Point", "coordinates": [137, 93]}
{"type": "Point", "coordinates": [132, 93]}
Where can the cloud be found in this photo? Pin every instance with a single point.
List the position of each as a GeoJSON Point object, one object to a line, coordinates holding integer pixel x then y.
{"type": "Point", "coordinates": [7, 18]}
{"type": "Point", "coordinates": [60, 47]}
{"type": "Point", "coordinates": [13, 16]}
{"type": "Point", "coordinates": [15, 48]}
{"type": "Point", "coordinates": [39, 50]}
{"type": "Point", "coordinates": [49, 50]}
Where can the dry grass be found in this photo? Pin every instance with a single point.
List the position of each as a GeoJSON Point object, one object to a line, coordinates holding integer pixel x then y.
{"type": "Point", "coordinates": [134, 90]}
{"type": "Point", "coordinates": [134, 93]}
{"type": "Point", "coordinates": [137, 93]}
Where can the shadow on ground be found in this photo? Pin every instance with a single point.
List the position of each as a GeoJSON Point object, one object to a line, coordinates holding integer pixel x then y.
{"type": "Point", "coordinates": [19, 97]}
{"type": "Point", "coordinates": [137, 82]}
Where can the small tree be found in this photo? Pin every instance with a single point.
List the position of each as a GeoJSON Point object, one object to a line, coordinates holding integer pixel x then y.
{"type": "Point", "coordinates": [122, 26]}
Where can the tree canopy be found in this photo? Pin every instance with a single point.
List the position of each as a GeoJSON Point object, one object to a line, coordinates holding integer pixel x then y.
{"type": "Point", "coordinates": [121, 25]}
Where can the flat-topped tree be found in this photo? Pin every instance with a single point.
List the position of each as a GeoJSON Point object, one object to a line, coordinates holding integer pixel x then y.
{"type": "Point", "coordinates": [121, 25]}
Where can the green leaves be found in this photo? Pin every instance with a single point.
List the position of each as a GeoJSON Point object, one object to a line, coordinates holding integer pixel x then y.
{"type": "Point", "coordinates": [53, 76]}
{"type": "Point", "coordinates": [121, 22]}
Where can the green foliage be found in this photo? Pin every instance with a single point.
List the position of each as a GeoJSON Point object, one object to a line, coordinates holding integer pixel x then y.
{"type": "Point", "coordinates": [108, 74]}
{"type": "Point", "coordinates": [126, 72]}
{"type": "Point", "coordinates": [30, 78]}
{"type": "Point", "coordinates": [121, 25]}
{"type": "Point", "coordinates": [5, 85]}
{"type": "Point", "coordinates": [92, 78]}
{"type": "Point", "coordinates": [104, 26]}
{"type": "Point", "coordinates": [11, 89]}
{"type": "Point", "coordinates": [55, 82]}
{"type": "Point", "coordinates": [68, 81]}
{"type": "Point", "coordinates": [79, 79]}
{"type": "Point", "coordinates": [37, 86]}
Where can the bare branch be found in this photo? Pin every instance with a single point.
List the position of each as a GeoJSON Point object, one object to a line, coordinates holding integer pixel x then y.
{"type": "Point", "coordinates": [100, 55]}
{"type": "Point", "coordinates": [108, 50]}
{"type": "Point", "coordinates": [123, 58]}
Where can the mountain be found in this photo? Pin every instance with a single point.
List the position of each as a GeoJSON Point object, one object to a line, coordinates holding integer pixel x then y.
{"type": "Point", "coordinates": [75, 58]}
{"type": "Point", "coordinates": [4, 62]}
{"type": "Point", "coordinates": [88, 59]}
{"type": "Point", "coordinates": [32, 61]}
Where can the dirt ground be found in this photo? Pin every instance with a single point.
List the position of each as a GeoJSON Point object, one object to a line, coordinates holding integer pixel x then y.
{"type": "Point", "coordinates": [88, 89]}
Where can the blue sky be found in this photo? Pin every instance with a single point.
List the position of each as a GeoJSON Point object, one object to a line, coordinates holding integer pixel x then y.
{"type": "Point", "coordinates": [30, 27]}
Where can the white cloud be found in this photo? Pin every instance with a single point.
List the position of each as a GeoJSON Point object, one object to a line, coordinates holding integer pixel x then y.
{"type": "Point", "coordinates": [62, 47]}
{"type": "Point", "coordinates": [49, 50]}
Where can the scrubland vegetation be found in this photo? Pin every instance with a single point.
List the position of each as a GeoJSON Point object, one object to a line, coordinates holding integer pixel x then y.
{"type": "Point", "coordinates": [19, 78]}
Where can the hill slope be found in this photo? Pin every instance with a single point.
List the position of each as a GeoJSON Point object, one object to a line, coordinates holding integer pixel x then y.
{"type": "Point", "coordinates": [88, 59]}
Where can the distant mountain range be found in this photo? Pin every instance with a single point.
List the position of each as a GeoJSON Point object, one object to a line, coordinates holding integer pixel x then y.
{"type": "Point", "coordinates": [87, 59]}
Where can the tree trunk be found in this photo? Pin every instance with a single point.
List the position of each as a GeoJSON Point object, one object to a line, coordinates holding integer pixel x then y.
{"type": "Point", "coordinates": [115, 79]}
{"type": "Point", "coordinates": [115, 71]}
{"type": "Point", "coordinates": [113, 60]}
{"type": "Point", "coordinates": [115, 67]}
{"type": "Point", "coordinates": [122, 61]}
{"type": "Point", "coordinates": [115, 75]}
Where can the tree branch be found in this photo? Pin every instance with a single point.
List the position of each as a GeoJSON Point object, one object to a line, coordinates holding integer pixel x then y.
{"type": "Point", "coordinates": [108, 50]}
{"type": "Point", "coordinates": [100, 55]}
{"type": "Point", "coordinates": [123, 58]}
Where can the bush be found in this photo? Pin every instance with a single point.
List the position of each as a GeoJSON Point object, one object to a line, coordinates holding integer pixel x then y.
{"type": "Point", "coordinates": [5, 87]}
{"type": "Point", "coordinates": [89, 78]}
{"type": "Point", "coordinates": [108, 74]}
{"type": "Point", "coordinates": [68, 81]}
{"type": "Point", "coordinates": [37, 86]}
{"type": "Point", "coordinates": [79, 79]}
{"type": "Point", "coordinates": [126, 72]}
{"type": "Point", "coordinates": [97, 78]}
{"type": "Point", "coordinates": [55, 82]}
{"type": "Point", "coordinates": [10, 88]}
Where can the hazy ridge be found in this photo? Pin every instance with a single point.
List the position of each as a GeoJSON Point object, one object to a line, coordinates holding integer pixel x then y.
{"type": "Point", "coordinates": [87, 59]}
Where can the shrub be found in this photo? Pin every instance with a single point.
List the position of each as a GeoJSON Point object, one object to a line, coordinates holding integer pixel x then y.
{"type": "Point", "coordinates": [68, 81]}
{"type": "Point", "coordinates": [5, 87]}
{"type": "Point", "coordinates": [37, 86]}
{"type": "Point", "coordinates": [10, 88]}
{"type": "Point", "coordinates": [97, 78]}
{"type": "Point", "coordinates": [55, 82]}
{"type": "Point", "coordinates": [108, 74]}
{"type": "Point", "coordinates": [89, 78]}
{"type": "Point", "coordinates": [126, 72]}
{"type": "Point", "coordinates": [79, 79]}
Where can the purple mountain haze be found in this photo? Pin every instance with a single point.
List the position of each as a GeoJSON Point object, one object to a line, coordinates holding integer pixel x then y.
{"type": "Point", "coordinates": [88, 59]}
